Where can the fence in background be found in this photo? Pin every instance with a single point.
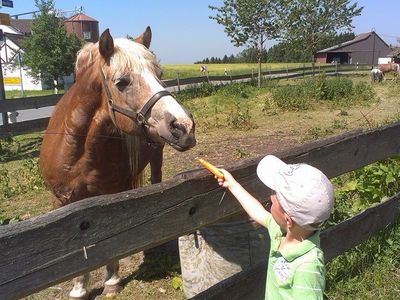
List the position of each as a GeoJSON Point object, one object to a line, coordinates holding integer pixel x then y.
{"type": "Point", "coordinates": [174, 85]}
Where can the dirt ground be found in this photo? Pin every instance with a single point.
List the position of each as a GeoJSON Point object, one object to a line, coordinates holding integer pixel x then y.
{"type": "Point", "coordinates": [222, 146]}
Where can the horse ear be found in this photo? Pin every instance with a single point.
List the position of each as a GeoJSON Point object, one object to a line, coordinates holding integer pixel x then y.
{"type": "Point", "coordinates": [145, 38]}
{"type": "Point", "coordinates": [106, 45]}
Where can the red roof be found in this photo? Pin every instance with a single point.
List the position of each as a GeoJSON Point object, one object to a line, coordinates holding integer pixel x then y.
{"type": "Point", "coordinates": [80, 17]}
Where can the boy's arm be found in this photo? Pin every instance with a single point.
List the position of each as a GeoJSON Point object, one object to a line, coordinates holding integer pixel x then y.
{"type": "Point", "coordinates": [250, 204]}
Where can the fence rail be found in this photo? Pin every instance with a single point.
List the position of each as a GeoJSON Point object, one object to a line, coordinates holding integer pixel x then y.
{"type": "Point", "coordinates": [173, 85]}
{"type": "Point", "coordinates": [48, 249]}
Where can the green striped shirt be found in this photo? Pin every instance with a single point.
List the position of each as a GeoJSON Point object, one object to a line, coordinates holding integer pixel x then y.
{"type": "Point", "coordinates": [297, 273]}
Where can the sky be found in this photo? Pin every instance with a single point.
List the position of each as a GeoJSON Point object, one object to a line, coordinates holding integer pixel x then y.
{"type": "Point", "coordinates": [182, 30]}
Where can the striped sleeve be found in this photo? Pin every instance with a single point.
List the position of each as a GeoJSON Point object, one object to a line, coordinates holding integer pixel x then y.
{"type": "Point", "coordinates": [309, 282]}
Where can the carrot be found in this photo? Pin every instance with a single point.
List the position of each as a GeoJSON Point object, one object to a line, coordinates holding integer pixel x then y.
{"type": "Point", "coordinates": [213, 169]}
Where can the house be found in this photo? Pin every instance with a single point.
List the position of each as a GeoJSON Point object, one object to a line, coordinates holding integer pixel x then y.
{"type": "Point", "coordinates": [15, 76]}
{"type": "Point", "coordinates": [365, 48]}
{"type": "Point", "coordinates": [15, 30]}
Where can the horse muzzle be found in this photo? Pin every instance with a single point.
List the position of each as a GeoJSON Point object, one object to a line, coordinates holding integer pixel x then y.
{"type": "Point", "coordinates": [178, 134]}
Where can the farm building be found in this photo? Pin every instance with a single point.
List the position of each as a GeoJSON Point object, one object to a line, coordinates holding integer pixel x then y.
{"type": "Point", "coordinates": [14, 31]}
{"type": "Point", "coordinates": [15, 76]}
{"type": "Point", "coordinates": [365, 48]}
{"type": "Point", "coordinates": [83, 26]}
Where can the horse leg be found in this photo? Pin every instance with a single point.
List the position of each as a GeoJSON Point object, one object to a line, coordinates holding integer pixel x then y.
{"type": "Point", "coordinates": [156, 161]}
{"type": "Point", "coordinates": [112, 284]}
{"type": "Point", "coordinates": [79, 291]}
{"type": "Point", "coordinates": [170, 248]}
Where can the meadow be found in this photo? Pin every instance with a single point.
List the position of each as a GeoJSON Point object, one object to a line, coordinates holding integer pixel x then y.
{"type": "Point", "coordinates": [241, 121]}
{"type": "Point", "coordinates": [193, 70]}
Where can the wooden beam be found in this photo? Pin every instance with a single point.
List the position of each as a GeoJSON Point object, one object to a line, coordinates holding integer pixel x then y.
{"type": "Point", "coordinates": [24, 127]}
{"type": "Point", "coordinates": [48, 249]}
{"type": "Point", "coordinates": [29, 102]}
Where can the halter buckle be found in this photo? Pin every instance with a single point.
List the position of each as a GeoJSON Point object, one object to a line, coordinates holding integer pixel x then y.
{"type": "Point", "coordinates": [141, 119]}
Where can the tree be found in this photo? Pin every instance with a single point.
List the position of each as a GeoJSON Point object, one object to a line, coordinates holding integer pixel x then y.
{"type": "Point", "coordinates": [249, 23]}
{"type": "Point", "coordinates": [49, 52]}
{"type": "Point", "coordinates": [308, 22]}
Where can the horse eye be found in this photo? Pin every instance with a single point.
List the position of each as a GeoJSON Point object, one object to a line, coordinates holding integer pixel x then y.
{"type": "Point", "coordinates": [122, 83]}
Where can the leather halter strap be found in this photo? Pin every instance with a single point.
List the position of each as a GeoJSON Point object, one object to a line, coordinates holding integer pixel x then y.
{"type": "Point", "coordinates": [139, 117]}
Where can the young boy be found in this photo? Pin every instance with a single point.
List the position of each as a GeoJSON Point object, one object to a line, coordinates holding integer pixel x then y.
{"type": "Point", "coordinates": [302, 201]}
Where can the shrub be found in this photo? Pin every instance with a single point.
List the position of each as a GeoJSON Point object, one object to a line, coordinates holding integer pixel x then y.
{"type": "Point", "coordinates": [290, 98]}
{"type": "Point", "coordinates": [240, 118]}
{"type": "Point", "coordinates": [235, 90]}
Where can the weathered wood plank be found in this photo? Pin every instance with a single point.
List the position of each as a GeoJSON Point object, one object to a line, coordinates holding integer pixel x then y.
{"type": "Point", "coordinates": [250, 284]}
{"type": "Point", "coordinates": [29, 102]}
{"type": "Point", "coordinates": [24, 127]}
{"type": "Point", "coordinates": [42, 251]}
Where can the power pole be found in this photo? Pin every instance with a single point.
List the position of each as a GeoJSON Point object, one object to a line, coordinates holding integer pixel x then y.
{"type": "Point", "coordinates": [2, 92]}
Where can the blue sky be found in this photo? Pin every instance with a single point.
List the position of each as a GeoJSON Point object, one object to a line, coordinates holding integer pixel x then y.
{"type": "Point", "coordinates": [182, 31]}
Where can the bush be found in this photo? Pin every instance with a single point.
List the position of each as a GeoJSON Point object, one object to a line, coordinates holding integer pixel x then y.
{"type": "Point", "coordinates": [339, 91]}
{"type": "Point", "coordinates": [290, 98]}
{"type": "Point", "coordinates": [240, 118]}
{"type": "Point", "coordinates": [235, 90]}
{"type": "Point", "coordinates": [204, 90]}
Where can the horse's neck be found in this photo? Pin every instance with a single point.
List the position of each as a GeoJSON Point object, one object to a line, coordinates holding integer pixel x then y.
{"type": "Point", "coordinates": [86, 123]}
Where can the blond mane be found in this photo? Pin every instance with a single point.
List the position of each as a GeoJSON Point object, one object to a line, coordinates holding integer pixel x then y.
{"type": "Point", "coordinates": [129, 57]}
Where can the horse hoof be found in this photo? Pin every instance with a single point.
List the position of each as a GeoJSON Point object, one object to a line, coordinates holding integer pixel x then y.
{"type": "Point", "coordinates": [78, 295]}
{"type": "Point", "coordinates": [111, 290]}
{"type": "Point", "coordinates": [78, 298]}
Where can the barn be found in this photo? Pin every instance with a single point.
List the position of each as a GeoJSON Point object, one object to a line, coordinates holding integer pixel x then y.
{"type": "Point", "coordinates": [365, 48]}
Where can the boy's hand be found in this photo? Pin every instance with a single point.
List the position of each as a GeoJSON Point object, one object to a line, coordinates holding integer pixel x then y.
{"type": "Point", "coordinates": [228, 181]}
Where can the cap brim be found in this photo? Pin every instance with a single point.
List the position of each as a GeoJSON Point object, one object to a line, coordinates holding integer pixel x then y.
{"type": "Point", "coordinates": [268, 168]}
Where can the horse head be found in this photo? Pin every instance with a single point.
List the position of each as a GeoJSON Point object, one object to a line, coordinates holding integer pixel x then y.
{"type": "Point", "coordinates": [137, 102]}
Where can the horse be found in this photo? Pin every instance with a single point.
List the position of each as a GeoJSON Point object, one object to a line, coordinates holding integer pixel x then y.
{"type": "Point", "coordinates": [390, 67]}
{"type": "Point", "coordinates": [376, 75]}
{"type": "Point", "coordinates": [108, 126]}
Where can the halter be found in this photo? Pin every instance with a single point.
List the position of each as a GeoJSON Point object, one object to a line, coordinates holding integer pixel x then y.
{"type": "Point", "coordinates": [138, 117]}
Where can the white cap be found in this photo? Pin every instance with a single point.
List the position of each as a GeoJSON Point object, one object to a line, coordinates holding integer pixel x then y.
{"type": "Point", "coordinates": [303, 192]}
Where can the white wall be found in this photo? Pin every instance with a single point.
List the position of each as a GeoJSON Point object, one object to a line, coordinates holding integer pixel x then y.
{"type": "Point", "coordinates": [14, 77]}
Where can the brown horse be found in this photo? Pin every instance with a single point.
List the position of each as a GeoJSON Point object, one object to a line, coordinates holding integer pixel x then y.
{"type": "Point", "coordinates": [390, 67]}
{"type": "Point", "coordinates": [108, 126]}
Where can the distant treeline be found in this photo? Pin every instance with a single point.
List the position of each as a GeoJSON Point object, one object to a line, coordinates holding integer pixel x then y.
{"type": "Point", "coordinates": [282, 52]}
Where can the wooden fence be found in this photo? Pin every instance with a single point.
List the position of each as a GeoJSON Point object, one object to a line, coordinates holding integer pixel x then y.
{"type": "Point", "coordinates": [42, 251]}
{"type": "Point", "coordinates": [174, 85]}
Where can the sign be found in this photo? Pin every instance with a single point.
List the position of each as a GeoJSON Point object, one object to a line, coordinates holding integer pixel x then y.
{"type": "Point", "coordinates": [7, 3]}
{"type": "Point", "coordinates": [4, 19]}
{"type": "Point", "coordinates": [203, 69]}
{"type": "Point", "coordinates": [12, 80]}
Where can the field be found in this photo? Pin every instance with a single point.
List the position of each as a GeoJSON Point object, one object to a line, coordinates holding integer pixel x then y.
{"type": "Point", "coordinates": [233, 123]}
{"type": "Point", "coordinates": [185, 71]}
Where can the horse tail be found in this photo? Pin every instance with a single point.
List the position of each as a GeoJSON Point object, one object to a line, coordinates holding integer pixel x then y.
{"type": "Point", "coordinates": [133, 146]}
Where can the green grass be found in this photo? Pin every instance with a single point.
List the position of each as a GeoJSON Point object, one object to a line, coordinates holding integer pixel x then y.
{"type": "Point", "coordinates": [369, 271]}
{"type": "Point", "coordinates": [17, 94]}
{"type": "Point", "coordinates": [186, 71]}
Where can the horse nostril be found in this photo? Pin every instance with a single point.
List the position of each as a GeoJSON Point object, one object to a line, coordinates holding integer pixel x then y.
{"type": "Point", "coordinates": [177, 130]}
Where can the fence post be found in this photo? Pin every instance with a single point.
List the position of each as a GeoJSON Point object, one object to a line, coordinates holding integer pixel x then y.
{"type": "Point", "coordinates": [336, 69]}
{"type": "Point", "coordinates": [304, 70]}
{"type": "Point", "coordinates": [208, 78]}
{"type": "Point", "coordinates": [252, 74]}
{"type": "Point", "coordinates": [3, 94]}
{"type": "Point", "coordinates": [287, 72]}
{"type": "Point", "coordinates": [177, 79]}
{"type": "Point", "coordinates": [230, 75]}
